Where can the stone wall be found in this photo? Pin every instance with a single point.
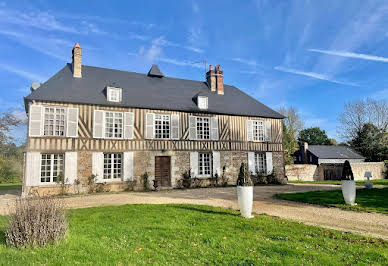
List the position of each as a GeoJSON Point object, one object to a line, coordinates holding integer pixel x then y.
{"type": "Point", "coordinates": [302, 172]}
{"type": "Point", "coordinates": [144, 162]}
{"type": "Point", "coordinates": [376, 168]}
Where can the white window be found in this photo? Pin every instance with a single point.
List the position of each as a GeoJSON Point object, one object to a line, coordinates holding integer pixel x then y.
{"type": "Point", "coordinates": [112, 165]}
{"type": "Point", "coordinates": [113, 125]}
{"type": "Point", "coordinates": [260, 163]}
{"type": "Point", "coordinates": [204, 164]}
{"type": "Point", "coordinates": [162, 126]}
{"type": "Point", "coordinates": [50, 167]}
{"type": "Point", "coordinates": [114, 94]}
{"type": "Point", "coordinates": [203, 128]}
{"type": "Point", "coordinates": [54, 121]}
{"type": "Point", "coordinates": [258, 130]}
{"type": "Point", "coordinates": [202, 102]}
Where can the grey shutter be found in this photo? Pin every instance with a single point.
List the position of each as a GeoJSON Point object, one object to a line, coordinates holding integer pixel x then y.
{"type": "Point", "coordinates": [98, 166]}
{"type": "Point", "coordinates": [249, 130]}
{"type": "Point", "coordinates": [35, 115]}
{"type": "Point", "coordinates": [192, 127]}
{"type": "Point", "coordinates": [214, 128]}
{"type": "Point", "coordinates": [70, 167]}
{"type": "Point", "coordinates": [175, 126]}
{"type": "Point", "coordinates": [32, 174]}
{"type": "Point", "coordinates": [194, 164]}
{"type": "Point", "coordinates": [150, 124]}
{"type": "Point", "coordinates": [129, 119]}
{"type": "Point", "coordinates": [72, 122]}
{"type": "Point", "coordinates": [128, 166]}
{"type": "Point", "coordinates": [216, 163]}
{"type": "Point", "coordinates": [98, 124]}
{"type": "Point", "coordinates": [268, 157]}
{"type": "Point", "coordinates": [267, 131]}
{"type": "Point", "coordinates": [251, 163]}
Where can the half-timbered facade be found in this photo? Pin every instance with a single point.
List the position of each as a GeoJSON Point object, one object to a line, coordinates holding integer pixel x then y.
{"type": "Point", "coordinates": [118, 125]}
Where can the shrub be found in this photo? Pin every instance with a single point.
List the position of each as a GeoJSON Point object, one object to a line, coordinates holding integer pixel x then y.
{"type": "Point", "coordinates": [186, 179]}
{"type": "Point", "coordinates": [36, 222]}
{"type": "Point", "coordinates": [145, 180]}
{"type": "Point", "coordinates": [244, 178]}
{"type": "Point", "coordinates": [91, 183]}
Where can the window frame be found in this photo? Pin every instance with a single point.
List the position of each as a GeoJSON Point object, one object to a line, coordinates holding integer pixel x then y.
{"type": "Point", "coordinates": [113, 123]}
{"type": "Point", "coordinates": [50, 167]}
{"type": "Point", "coordinates": [256, 136]}
{"type": "Point", "coordinates": [203, 131]}
{"type": "Point", "coordinates": [112, 166]}
{"type": "Point", "coordinates": [55, 121]}
{"type": "Point", "coordinates": [264, 162]}
{"type": "Point", "coordinates": [201, 164]}
{"type": "Point", "coordinates": [110, 91]}
{"type": "Point", "coordinates": [203, 102]}
{"type": "Point", "coordinates": [162, 129]}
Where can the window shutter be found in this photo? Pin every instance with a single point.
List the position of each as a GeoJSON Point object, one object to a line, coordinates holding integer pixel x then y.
{"type": "Point", "coordinates": [175, 126]}
{"type": "Point", "coordinates": [98, 166]}
{"type": "Point", "coordinates": [32, 174]}
{"type": "Point", "coordinates": [150, 122]}
{"type": "Point", "coordinates": [71, 164]}
{"type": "Point", "coordinates": [36, 121]}
{"type": "Point", "coordinates": [194, 164]}
{"type": "Point", "coordinates": [249, 130]}
{"type": "Point", "coordinates": [251, 163]}
{"type": "Point", "coordinates": [214, 128]}
{"type": "Point", "coordinates": [129, 119]}
{"type": "Point", "coordinates": [192, 127]}
{"type": "Point", "coordinates": [98, 124]}
{"type": "Point", "coordinates": [268, 156]}
{"type": "Point", "coordinates": [128, 166]}
{"type": "Point", "coordinates": [267, 131]}
{"type": "Point", "coordinates": [216, 163]}
{"type": "Point", "coordinates": [72, 123]}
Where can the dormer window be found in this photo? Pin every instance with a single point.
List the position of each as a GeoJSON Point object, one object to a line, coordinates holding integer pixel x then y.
{"type": "Point", "coordinates": [114, 94]}
{"type": "Point", "coordinates": [202, 102]}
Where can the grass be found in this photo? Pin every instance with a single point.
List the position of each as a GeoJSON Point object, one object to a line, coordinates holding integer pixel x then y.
{"type": "Point", "coordinates": [382, 182]}
{"type": "Point", "coordinates": [191, 234]}
{"type": "Point", "coordinates": [370, 200]}
{"type": "Point", "coordinates": [11, 186]}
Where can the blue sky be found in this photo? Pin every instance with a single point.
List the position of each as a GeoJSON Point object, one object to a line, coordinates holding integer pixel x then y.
{"type": "Point", "coordinates": [313, 55]}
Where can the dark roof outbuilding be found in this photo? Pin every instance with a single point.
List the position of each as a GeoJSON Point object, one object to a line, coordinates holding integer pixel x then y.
{"type": "Point", "coordinates": [334, 152]}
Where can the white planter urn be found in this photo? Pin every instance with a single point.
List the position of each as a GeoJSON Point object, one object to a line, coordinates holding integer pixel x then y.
{"type": "Point", "coordinates": [245, 200]}
{"type": "Point", "coordinates": [349, 191]}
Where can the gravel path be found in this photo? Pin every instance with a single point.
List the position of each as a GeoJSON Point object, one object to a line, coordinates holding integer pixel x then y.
{"type": "Point", "coordinates": [372, 224]}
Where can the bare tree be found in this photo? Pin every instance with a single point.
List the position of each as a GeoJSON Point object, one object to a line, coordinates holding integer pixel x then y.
{"type": "Point", "coordinates": [293, 122]}
{"type": "Point", "coordinates": [360, 112]}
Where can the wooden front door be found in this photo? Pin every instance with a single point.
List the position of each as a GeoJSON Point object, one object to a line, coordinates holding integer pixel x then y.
{"type": "Point", "coordinates": [162, 170]}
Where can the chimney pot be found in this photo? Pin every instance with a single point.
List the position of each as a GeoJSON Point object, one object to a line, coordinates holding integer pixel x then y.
{"type": "Point", "coordinates": [77, 61]}
{"type": "Point", "coordinates": [219, 80]}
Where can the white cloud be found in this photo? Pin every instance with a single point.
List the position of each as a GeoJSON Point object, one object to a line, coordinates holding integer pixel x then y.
{"type": "Point", "coordinates": [380, 95]}
{"type": "Point", "coordinates": [20, 114]}
{"type": "Point", "coordinates": [245, 61]}
{"type": "Point", "coordinates": [351, 55]}
{"type": "Point", "coordinates": [22, 73]}
{"type": "Point", "coordinates": [40, 20]}
{"type": "Point", "coordinates": [313, 75]}
{"type": "Point", "coordinates": [133, 35]}
{"type": "Point", "coordinates": [194, 6]}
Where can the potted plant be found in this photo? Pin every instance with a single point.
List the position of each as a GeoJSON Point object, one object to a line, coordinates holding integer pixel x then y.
{"type": "Point", "coordinates": [186, 179]}
{"type": "Point", "coordinates": [348, 184]}
{"type": "Point", "coordinates": [245, 191]}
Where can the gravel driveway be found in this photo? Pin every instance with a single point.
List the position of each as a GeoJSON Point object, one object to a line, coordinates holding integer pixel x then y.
{"type": "Point", "coordinates": [372, 224]}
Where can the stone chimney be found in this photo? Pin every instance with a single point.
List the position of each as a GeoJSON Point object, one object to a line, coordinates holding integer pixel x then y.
{"type": "Point", "coordinates": [219, 80]}
{"type": "Point", "coordinates": [211, 78]}
{"type": "Point", "coordinates": [303, 147]}
{"type": "Point", "coordinates": [77, 61]}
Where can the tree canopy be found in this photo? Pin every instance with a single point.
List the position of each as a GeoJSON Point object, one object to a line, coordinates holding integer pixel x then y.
{"type": "Point", "coordinates": [314, 136]}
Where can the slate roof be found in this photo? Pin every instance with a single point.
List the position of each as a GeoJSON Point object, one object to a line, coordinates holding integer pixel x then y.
{"type": "Point", "coordinates": [334, 152]}
{"type": "Point", "coordinates": [143, 91]}
{"type": "Point", "coordinates": [155, 72]}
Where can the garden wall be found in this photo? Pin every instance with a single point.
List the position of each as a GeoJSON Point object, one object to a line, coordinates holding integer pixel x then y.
{"type": "Point", "coordinates": [302, 172]}
{"type": "Point", "coordinates": [376, 168]}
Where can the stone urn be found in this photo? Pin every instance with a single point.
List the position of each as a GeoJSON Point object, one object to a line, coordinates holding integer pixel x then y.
{"type": "Point", "coordinates": [156, 185]}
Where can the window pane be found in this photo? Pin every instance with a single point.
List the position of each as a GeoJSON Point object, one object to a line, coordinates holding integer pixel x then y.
{"type": "Point", "coordinates": [112, 165]}
{"type": "Point", "coordinates": [54, 121]}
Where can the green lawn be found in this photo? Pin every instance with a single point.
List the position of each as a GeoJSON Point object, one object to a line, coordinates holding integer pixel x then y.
{"type": "Point", "coordinates": [10, 186]}
{"type": "Point", "coordinates": [382, 182]}
{"type": "Point", "coordinates": [371, 200]}
{"type": "Point", "coordinates": [191, 234]}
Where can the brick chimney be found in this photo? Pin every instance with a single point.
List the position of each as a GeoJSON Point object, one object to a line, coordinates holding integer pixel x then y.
{"type": "Point", "coordinates": [77, 61]}
{"type": "Point", "coordinates": [211, 78]}
{"type": "Point", "coordinates": [219, 80]}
